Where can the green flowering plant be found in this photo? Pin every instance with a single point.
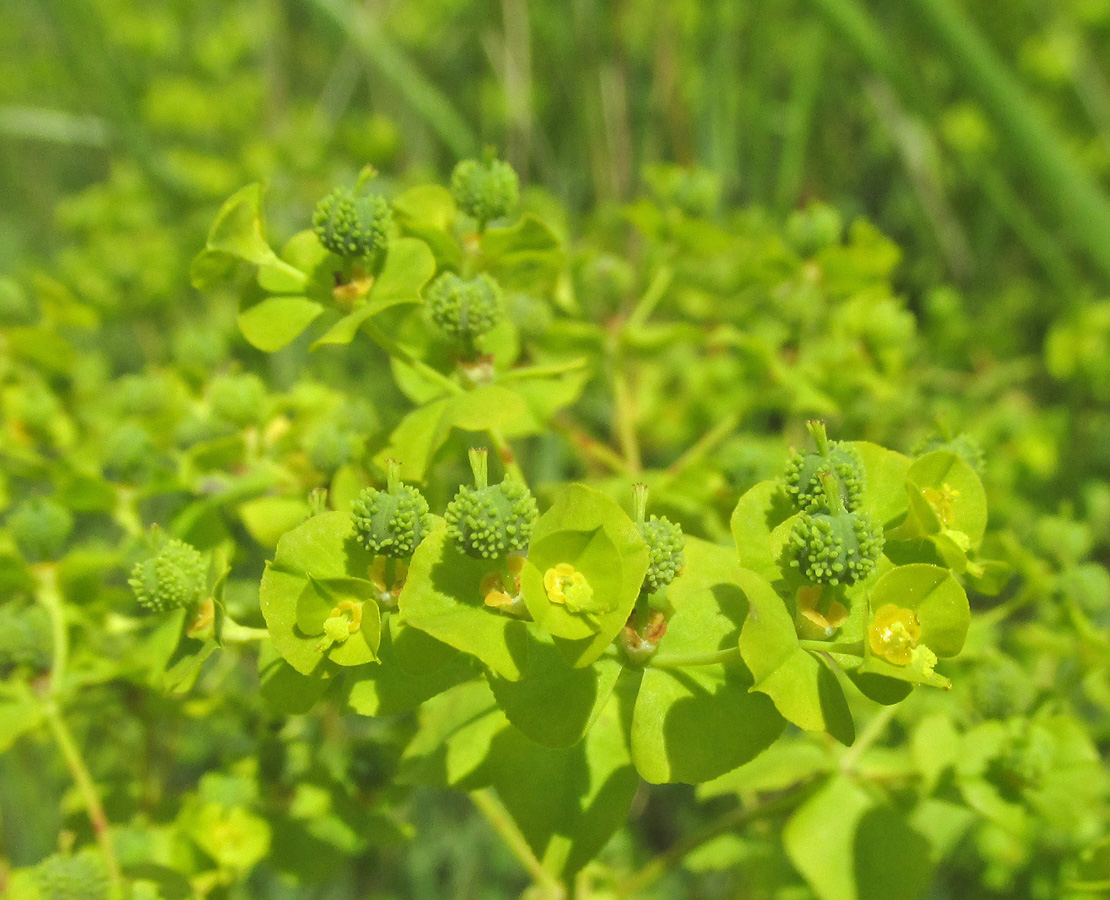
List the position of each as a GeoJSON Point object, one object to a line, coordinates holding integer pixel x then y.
{"type": "Point", "coordinates": [516, 518]}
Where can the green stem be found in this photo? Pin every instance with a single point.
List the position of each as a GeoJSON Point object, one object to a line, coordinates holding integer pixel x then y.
{"type": "Point", "coordinates": [696, 659]}
{"type": "Point", "coordinates": [506, 455]}
{"type": "Point", "coordinates": [645, 306]}
{"type": "Point", "coordinates": [231, 632]}
{"type": "Point", "coordinates": [75, 762]}
{"type": "Point", "coordinates": [395, 350]}
{"type": "Point", "coordinates": [851, 648]}
{"type": "Point", "coordinates": [730, 821]}
{"type": "Point", "coordinates": [626, 421]}
{"type": "Point", "coordinates": [874, 730]}
{"type": "Point", "coordinates": [543, 371]}
{"type": "Point", "coordinates": [50, 597]}
{"type": "Point", "coordinates": [48, 594]}
{"type": "Point", "coordinates": [497, 816]}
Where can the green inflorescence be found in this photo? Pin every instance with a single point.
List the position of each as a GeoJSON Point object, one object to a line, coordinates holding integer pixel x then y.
{"type": "Point", "coordinates": [80, 876]}
{"type": "Point", "coordinates": [40, 528]}
{"type": "Point", "coordinates": [491, 521]}
{"type": "Point", "coordinates": [352, 225]}
{"type": "Point", "coordinates": [485, 189]}
{"type": "Point", "coordinates": [175, 576]}
{"type": "Point", "coordinates": [332, 446]}
{"type": "Point", "coordinates": [25, 637]}
{"type": "Point", "coordinates": [835, 546]}
{"type": "Point", "coordinates": [803, 482]}
{"type": "Point", "coordinates": [465, 309]}
{"type": "Point", "coordinates": [392, 522]}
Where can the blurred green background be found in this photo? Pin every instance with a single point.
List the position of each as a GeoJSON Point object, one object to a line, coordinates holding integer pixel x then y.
{"type": "Point", "coordinates": [979, 141]}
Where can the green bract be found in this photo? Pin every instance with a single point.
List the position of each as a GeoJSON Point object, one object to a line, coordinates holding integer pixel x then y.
{"type": "Point", "coordinates": [352, 225]}
{"type": "Point", "coordinates": [466, 310]}
{"type": "Point", "coordinates": [175, 576]}
{"type": "Point", "coordinates": [584, 570]}
{"type": "Point", "coordinates": [485, 189]}
{"type": "Point", "coordinates": [490, 521]}
{"type": "Point", "coordinates": [40, 528]}
{"type": "Point", "coordinates": [392, 522]}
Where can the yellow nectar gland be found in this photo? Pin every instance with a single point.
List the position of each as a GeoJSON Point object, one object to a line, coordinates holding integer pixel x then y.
{"type": "Point", "coordinates": [942, 501]}
{"type": "Point", "coordinates": [387, 594]}
{"type": "Point", "coordinates": [498, 595]}
{"type": "Point", "coordinates": [894, 634]}
{"type": "Point", "coordinates": [567, 586]}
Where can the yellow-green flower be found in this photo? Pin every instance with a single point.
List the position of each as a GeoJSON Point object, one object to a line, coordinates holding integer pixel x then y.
{"type": "Point", "coordinates": [894, 634]}
{"type": "Point", "coordinates": [568, 587]}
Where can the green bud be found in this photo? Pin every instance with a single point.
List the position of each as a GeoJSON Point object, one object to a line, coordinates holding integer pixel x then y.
{"type": "Point", "coordinates": [392, 522]}
{"type": "Point", "coordinates": [332, 446]}
{"type": "Point", "coordinates": [465, 309]}
{"type": "Point", "coordinates": [238, 399]}
{"type": "Point", "coordinates": [485, 189]}
{"type": "Point", "coordinates": [491, 521]}
{"type": "Point", "coordinates": [128, 453]}
{"type": "Point", "coordinates": [40, 528]}
{"type": "Point", "coordinates": [175, 577]}
{"type": "Point", "coordinates": [25, 637]}
{"type": "Point", "coordinates": [351, 225]}
{"type": "Point", "coordinates": [80, 876]}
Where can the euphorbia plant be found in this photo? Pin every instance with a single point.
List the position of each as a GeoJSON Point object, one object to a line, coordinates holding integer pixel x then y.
{"type": "Point", "coordinates": [458, 530]}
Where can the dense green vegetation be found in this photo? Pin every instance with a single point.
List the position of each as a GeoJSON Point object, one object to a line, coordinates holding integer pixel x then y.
{"type": "Point", "coordinates": [586, 450]}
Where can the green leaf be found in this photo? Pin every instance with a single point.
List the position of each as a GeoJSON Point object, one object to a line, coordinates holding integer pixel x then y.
{"type": "Point", "coordinates": [803, 687]}
{"type": "Point", "coordinates": [847, 848]}
{"type": "Point", "coordinates": [408, 266]}
{"type": "Point", "coordinates": [591, 532]}
{"type": "Point", "coordinates": [695, 723]}
{"type": "Point", "coordinates": [423, 431]}
{"type": "Point", "coordinates": [238, 229]}
{"type": "Point", "coordinates": [760, 512]}
{"type": "Point", "coordinates": [318, 565]}
{"type": "Point", "coordinates": [284, 689]}
{"type": "Point", "coordinates": [884, 495]}
{"type": "Point", "coordinates": [442, 596]}
{"type": "Point", "coordinates": [427, 212]}
{"type": "Point", "coordinates": [454, 737]}
{"type": "Point", "coordinates": [782, 765]}
{"type": "Point", "coordinates": [567, 802]}
{"type": "Point", "coordinates": [388, 689]}
{"type": "Point", "coordinates": [555, 704]}
{"type": "Point", "coordinates": [275, 322]}
{"type": "Point", "coordinates": [268, 518]}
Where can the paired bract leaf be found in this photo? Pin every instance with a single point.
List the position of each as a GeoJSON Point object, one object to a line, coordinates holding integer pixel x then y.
{"type": "Point", "coordinates": [443, 597]}
{"type": "Point", "coordinates": [938, 601]}
{"type": "Point", "coordinates": [320, 567]}
{"type": "Point", "coordinates": [589, 532]}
